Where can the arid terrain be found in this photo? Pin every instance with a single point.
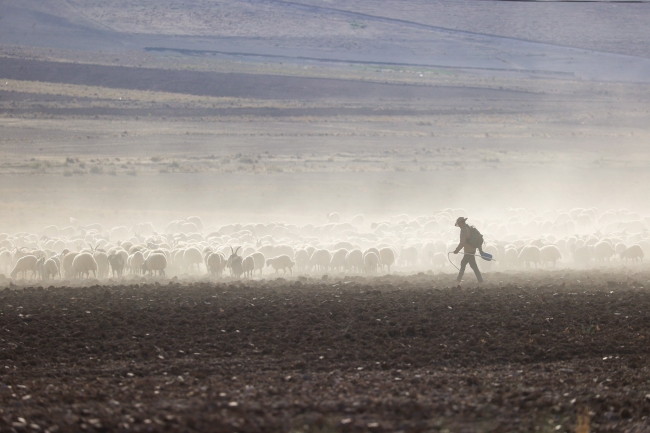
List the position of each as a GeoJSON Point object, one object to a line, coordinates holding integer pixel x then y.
{"type": "Point", "coordinates": [552, 351]}
{"type": "Point", "coordinates": [363, 143]}
{"type": "Point", "coordinates": [260, 111]}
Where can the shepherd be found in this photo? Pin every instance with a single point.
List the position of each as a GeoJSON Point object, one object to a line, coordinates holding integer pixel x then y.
{"type": "Point", "coordinates": [470, 240]}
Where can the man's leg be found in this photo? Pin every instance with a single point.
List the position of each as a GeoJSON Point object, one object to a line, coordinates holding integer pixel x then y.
{"type": "Point", "coordinates": [474, 266]}
{"type": "Point", "coordinates": [463, 264]}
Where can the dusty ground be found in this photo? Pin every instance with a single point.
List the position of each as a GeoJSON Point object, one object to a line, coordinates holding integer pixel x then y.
{"type": "Point", "coordinates": [545, 351]}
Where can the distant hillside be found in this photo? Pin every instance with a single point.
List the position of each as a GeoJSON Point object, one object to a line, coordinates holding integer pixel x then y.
{"type": "Point", "coordinates": [507, 37]}
{"type": "Point", "coordinates": [618, 28]}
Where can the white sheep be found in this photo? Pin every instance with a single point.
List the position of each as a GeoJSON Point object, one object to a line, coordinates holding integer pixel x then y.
{"type": "Point", "coordinates": [192, 257]}
{"type": "Point", "coordinates": [155, 262]}
{"type": "Point", "coordinates": [439, 260]}
{"type": "Point", "coordinates": [66, 263]}
{"type": "Point", "coordinates": [582, 255]}
{"type": "Point", "coordinates": [549, 254]}
{"type": "Point", "coordinates": [409, 256]}
{"type": "Point", "coordinates": [176, 257]}
{"type": "Point", "coordinates": [530, 254]}
{"type": "Point", "coordinates": [354, 260]}
{"type": "Point", "coordinates": [283, 249]}
{"type": "Point", "coordinates": [370, 261]}
{"type": "Point", "coordinates": [56, 260]}
{"type": "Point", "coordinates": [103, 264]}
{"type": "Point", "coordinates": [260, 261]}
{"type": "Point", "coordinates": [51, 232]}
{"type": "Point", "coordinates": [47, 268]}
{"type": "Point", "coordinates": [386, 257]}
{"type": "Point", "coordinates": [19, 253]}
{"type": "Point", "coordinates": [6, 261]}
{"type": "Point", "coordinates": [358, 220]}
{"type": "Point", "coordinates": [94, 227]}
{"type": "Point", "coordinates": [120, 233]}
{"type": "Point", "coordinates": [511, 255]}
{"type": "Point", "coordinates": [145, 229]}
{"type": "Point", "coordinates": [283, 262]}
{"type": "Point", "coordinates": [634, 253]}
{"type": "Point", "coordinates": [603, 251]}
{"type": "Point", "coordinates": [116, 260]}
{"type": "Point", "coordinates": [135, 262]}
{"type": "Point", "coordinates": [25, 264]}
{"type": "Point", "coordinates": [267, 250]}
{"type": "Point", "coordinates": [321, 260]}
{"type": "Point", "coordinates": [126, 246]}
{"type": "Point", "coordinates": [248, 266]}
{"type": "Point", "coordinates": [371, 250]}
{"type": "Point", "coordinates": [333, 217]}
{"type": "Point", "coordinates": [197, 222]}
{"type": "Point", "coordinates": [215, 263]}
{"type": "Point", "coordinates": [338, 259]}
{"type": "Point", "coordinates": [84, 264]}
{"type": "Point", "coordinates": [302, 259]}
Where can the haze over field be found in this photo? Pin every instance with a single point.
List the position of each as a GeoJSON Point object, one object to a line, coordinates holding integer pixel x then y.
{"type": "Point", "coordinates": [238, 215]}
{"type": "Point", "coordinates": [357, 107]}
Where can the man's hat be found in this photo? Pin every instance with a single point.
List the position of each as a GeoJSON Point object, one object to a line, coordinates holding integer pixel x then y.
{"type": "Point", "coordinates": [460, 220]}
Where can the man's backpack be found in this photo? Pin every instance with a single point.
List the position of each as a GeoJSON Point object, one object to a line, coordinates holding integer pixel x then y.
{"type": "Point", "coordinates": [475, 237]}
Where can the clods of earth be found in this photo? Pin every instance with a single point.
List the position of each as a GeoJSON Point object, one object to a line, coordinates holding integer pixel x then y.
{"type": "Point", "coordinates": [539, 351]}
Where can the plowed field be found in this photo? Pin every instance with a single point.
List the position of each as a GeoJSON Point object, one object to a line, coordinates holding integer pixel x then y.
{"type": "Point", "coordinates": [548, 351]}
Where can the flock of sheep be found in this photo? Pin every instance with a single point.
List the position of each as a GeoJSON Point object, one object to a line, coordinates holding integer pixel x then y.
{"type": "Point", "coordinates": [521, 239]}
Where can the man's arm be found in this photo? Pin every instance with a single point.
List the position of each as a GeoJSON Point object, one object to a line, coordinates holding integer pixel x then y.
{"type": "Point", "coordinates": [464, 235]}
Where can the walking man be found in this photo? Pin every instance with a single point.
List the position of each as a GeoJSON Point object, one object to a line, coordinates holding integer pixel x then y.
{"type": "Point", "coordinates": [469, 244]}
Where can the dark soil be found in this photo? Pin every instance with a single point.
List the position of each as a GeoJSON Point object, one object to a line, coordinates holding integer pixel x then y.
{"type": "Point", "coordinates": [258, 86]}
{"type": "Point", "coordinates": [31, 104]}
{"type": "Point", "coordinates": [535, 352]}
